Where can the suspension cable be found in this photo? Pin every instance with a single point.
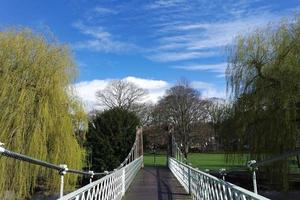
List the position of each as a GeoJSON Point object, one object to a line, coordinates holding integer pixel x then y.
{"type": "Point", "coordinates": [21, 157]}
{"type": "Point", "coordinates": [7, 153]}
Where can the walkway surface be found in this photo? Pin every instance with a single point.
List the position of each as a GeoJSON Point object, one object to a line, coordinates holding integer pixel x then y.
{"type": "Point", "coordinates": [153, 183]}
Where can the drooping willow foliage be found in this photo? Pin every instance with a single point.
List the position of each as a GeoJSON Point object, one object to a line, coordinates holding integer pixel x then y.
{"type": "Point", "coordinates": [38, 113]}
{"type": "Point", "coordinates": [264, 78]}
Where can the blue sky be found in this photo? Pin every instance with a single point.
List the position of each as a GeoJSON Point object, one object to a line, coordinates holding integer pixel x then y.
{"type": "Point", "coordinates": [151, 43]}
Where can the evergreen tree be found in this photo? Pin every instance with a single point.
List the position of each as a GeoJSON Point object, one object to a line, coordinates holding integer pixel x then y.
{"type": "Point", "coordinates": [110, 137]}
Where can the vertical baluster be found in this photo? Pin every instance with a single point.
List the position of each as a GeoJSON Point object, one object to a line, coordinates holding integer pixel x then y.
{"type": "Point", "coordinates": [123, 181]}
{"type": "Point", "coordinates": [254, 181]}
{"type": "Point", "coordinates": [189, 179]}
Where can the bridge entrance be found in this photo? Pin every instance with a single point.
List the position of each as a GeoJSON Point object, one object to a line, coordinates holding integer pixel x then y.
{"type": "Point", "coordinates": [155, 158]}
{"type": "Point", "coordinates": [155, 181]}
{"type": "Point", "coordinates": [157, 147]}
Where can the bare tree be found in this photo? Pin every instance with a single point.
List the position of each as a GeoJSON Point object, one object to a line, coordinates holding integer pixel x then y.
{"type": "Point", "coordinates": [121, 94]}
{"type": "Point", "coordinates": [144, 112]}
{"type": "Point", "coordinates": [183, 108]}
{"type": "Point", "coordinates": [218, 111]}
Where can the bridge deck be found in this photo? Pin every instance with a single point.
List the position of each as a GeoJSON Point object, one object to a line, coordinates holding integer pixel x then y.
{"type": "Point", "coordinates": [156, 183]}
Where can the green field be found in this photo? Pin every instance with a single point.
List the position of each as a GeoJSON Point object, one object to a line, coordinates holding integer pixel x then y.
{"type": "Point", "coordinates": [157, 160]}
{"type": "Point", "coordinates": [211, 161]}
{"type": "Point", "coordinates": [200, 160]}
{"type": "Point", "coordinates": [214, 161]}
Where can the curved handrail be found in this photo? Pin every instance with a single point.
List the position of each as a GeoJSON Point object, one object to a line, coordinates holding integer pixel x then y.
{"type": "Point", "coordinates": [63, 169]}
{"type": "Point", "coordinates": [114, 185]}
{"type": "Point", "coordinates": [202, 185]}
{"type": "Point", "coordinates": [60, 168]}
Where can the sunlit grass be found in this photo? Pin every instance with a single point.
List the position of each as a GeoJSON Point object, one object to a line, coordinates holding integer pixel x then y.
{"type": "Point", "coordinates": [211, 161]}
{"type": "Point", "coordinates": [214, 161]}
{"type": "Point", "coordinates": [155, 159]}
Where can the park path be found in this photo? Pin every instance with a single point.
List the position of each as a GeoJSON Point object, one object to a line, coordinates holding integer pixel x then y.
{"type": "Point", "coordinates": [156, 183]}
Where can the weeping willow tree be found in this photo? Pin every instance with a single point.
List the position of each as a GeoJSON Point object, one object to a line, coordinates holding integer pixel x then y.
{"type": "Point", "coordinates": [264, 78]}
{"type": "Point", "coordinates": [39, 115]}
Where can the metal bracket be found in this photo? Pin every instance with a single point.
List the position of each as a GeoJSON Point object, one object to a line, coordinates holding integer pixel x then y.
{"type": "Point", "coordinates": [64, 171]}
{"type": "Point", "coordinates": [92, 176]}
{"type": "Point", "coordinates": [252, 165]}
{"type": "Point", "coordinates": [223, 173]}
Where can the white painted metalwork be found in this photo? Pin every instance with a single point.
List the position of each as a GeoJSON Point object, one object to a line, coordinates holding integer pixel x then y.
{"type": "Point", "coordinates": [62, 173]}
{"type": "Point", "coordinates": [203, 186]}
{"type": "Point", "coordinates": [109, 187]}
{"type": "Point", "coordinates": [114, 185]}
{"type": "Point", "coordinates": [252, 166]}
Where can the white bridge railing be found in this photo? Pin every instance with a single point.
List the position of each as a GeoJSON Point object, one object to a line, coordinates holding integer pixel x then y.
{"type": "Point", "coordinates": [110, 187]}
{"type": "Point", "coordinates": [207, 187]}
{"type": "Point", "coordinates": [114, 185]}
{"type": "Point", "coordinates": [203, 186]}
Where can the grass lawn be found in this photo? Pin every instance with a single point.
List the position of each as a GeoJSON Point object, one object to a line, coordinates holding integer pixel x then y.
{"type": "Point", "coordinates": [160, 159]}
{"type": "Point", "coordinates": [200, 160]}
{"type": "Point", "coordinates": [214, 161]}
{"type": "Point", "coordinates": [203, 161]}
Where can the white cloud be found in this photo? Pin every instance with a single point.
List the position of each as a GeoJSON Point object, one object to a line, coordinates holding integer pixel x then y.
{"type": "Point", "coordinates": [218, 68]}
{"type": "Point", "coordinates": [201, 85]}
{"type": "Point", "coordinates": [156, 88]}
{"type": "Point", "coordinates": [221, 34]}
{"type": "Point", "coordinates": [185, 35]}
{"type": "Point", "coordinates": [178, 56]}
{"type": "Point", "coordinates": [96, 32]}
{"type": "Point", "coordinates": [100, 40]}
{"type": "Point", "coordinates": [209, 90]}
{"type": "Point", "coordinates": [86, 90]}
{"type": "Point", "coordinates": [201, 36]}
{"type": "Point", "coordinates": [147, 84]}
{"type": "Point", "coordinates": [214, 92]}
{"type": "Point", "coordinates": [103, 11]}
{"type": "Point", "coordinates": [165, 4]}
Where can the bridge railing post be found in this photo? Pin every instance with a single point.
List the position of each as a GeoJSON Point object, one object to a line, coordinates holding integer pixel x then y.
{"type": "Point", "coordinates": [92, 176]}
{"type": "Point", "coordinates": [62, 173]}
{"type": "Point", "coordinates": [254, 181]}
{"type": "Point", "coordinates": [252, 165]}
{"type": "Point", "coordinates": [181, 157]}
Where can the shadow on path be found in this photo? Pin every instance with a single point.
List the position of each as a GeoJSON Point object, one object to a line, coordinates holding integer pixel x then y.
{"type": "Point", "coordinates": [156, 183]}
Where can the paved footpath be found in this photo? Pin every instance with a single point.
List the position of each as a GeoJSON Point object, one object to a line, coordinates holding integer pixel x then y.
{"type": "Point", "coordinates": [156, 183]}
